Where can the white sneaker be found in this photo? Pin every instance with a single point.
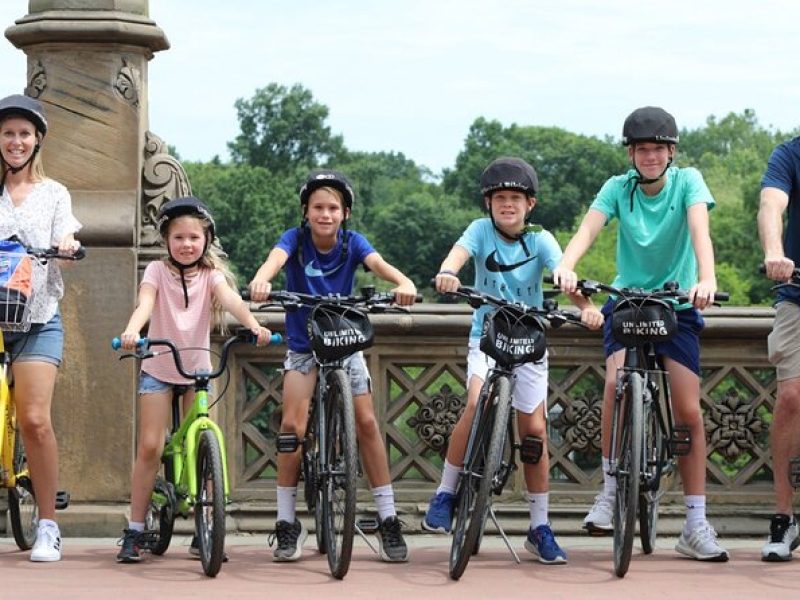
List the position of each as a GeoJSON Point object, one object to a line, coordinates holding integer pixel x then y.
{"type": "Point", "coordinates": [600, 519]}
{"type": "Point", "coordinates": [48, 544]}
{"type": "Point", "coordinates": [701, 544]}
{"type": "Point", "coordinates": [784, 536]}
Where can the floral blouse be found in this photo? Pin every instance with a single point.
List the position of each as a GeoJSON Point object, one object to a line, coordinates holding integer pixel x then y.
{"type": "Point", "coordinates": [42, 220]}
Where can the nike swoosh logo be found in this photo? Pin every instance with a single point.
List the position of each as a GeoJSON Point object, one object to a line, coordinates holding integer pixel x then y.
{"type": "Point", "coordinates": [312, 271]}
{"type": "Point", "coordinates": [496, 267]}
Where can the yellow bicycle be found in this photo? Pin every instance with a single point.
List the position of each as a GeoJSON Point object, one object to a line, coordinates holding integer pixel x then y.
{"type": "Point", "coordinates": [14, 475]}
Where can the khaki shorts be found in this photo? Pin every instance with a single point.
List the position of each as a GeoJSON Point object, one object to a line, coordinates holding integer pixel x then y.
{"type": "Point", "coordinates": [783, 344]}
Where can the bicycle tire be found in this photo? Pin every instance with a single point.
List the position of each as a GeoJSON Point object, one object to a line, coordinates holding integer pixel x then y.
{"type": "Point", "coordinates": [209, 508]}
{"type": "Point", "coordinates": [475, 495]}
{"type": "Point", "coordinates": [628, 474]}
{"type": "Point", "coordinates": [655, 455]}
{"type": "Point", "coordinates": [22, 509]}
{"type": "Point", "coordinates": [160, 516]}
{"type": "Point", "coordinates": [311, 488]}
{"type": "Point", "coordinates": [338, 477]}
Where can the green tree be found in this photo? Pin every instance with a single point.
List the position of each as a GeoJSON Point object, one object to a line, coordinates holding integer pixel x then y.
{"type": "Point", "coordinates": [283, 129]}
{"type": "Point", "coordinates": [571, 167]}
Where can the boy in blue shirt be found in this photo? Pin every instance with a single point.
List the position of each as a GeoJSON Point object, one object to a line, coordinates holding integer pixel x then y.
{"type": "Point", "coordinates": [663, 236]}
{"type": "Point", "coordinates": [509, 260]}
{"type": "Point", "coordinates": [321, 257]}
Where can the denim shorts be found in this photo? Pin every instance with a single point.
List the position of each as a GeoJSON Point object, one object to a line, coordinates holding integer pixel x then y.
{"type": "Point", "coordinates": [43, 343]}
{"type": "Point", "coordinates": [150, 385]}
{"type": "Point", "coordinates": [360, 382]}
{"type": "Point", "coordinates": [683, 348]}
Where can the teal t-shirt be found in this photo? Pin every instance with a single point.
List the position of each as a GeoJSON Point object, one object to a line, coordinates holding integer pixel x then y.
{"type": "Point", "coordinates": [653, 243]}
{"type": "Point", "coordinates": [504, 269]}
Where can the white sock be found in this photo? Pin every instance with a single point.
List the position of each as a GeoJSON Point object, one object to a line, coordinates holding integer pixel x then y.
{"type": "Point", "coordinates": [609, 481]}
{"type": "Point", "coordinates": [384, 501]}
{"type": "Point", "coordinates": [449, 478]}
{"type": "Point", "coordinates": [538, 505]}
{"type": "Point", "coordinates": [695, 511]}
{"type": "Point", "coordinates": [287, 498]}
{"type": "Point", "coordinates": [135, 526]}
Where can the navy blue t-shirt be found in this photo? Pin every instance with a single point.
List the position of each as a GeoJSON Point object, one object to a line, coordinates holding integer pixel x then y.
{"type": "Point", "coordinates": [319, 273]}
{"type": "Point", "coordinates": [783, 173]}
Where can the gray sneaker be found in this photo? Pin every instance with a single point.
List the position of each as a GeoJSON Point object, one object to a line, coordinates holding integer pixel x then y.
{"type": "Point", "coordinates": [599, 521]}
{"type": "Point", "coordinates": [701, 544]}
{"type": "Point", "coordinates": [392, 546]}
{"type": "Point", "coordinates": [784, 536]}
{"type": "Point", "coordinates": [290, 538]}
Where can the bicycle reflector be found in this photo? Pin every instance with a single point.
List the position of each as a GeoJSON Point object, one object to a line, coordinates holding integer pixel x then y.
{"type": "Point", "coordinates": [513, 337]}
{"type": "Point", "coordinates": [337, 332]}
{"type": "Point", "coordinates": [638, 320]}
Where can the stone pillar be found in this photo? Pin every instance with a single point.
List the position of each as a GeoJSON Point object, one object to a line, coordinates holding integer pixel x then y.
{"type": "Point", "coordinates": [87, 63]}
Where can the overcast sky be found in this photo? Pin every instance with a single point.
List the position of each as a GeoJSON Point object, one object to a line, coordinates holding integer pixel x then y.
{"type": "Point", "coordinates": [412, 75]}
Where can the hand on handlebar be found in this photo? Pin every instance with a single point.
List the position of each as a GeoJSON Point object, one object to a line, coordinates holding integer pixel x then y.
{"type": "Point", "coordinates": [566, 279]}
{"type": "Point", "coordinates": [592, 317]}
{"type": "Point", "coordinates": [447, 282]}
{"type": "Point", "coordinates": [405, 294]}
{"type": "Point", "coordinates": [263, 334]}
{"type": "Point", "coordinates": [779, 268]}
{"type": "Point", "coordinates": [259, 291]}
{"type": "Point", "coordinates": [129, 340]}
{"type": "Point", "coordinates": [702, 294]}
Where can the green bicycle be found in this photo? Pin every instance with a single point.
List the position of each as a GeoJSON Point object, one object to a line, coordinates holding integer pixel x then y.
{"type": "Point", "coordinates": [195, 464]}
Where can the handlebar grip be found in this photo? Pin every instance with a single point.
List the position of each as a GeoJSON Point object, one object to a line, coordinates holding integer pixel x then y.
{"type": "Point", "coordinates": [275, 338]}
{"type": "Point", "coordinates": [80, 253]}
{"type": "Point", "coordinates": [762, 268]}
{"type": "Point", "coordinates": [721, 296]}
{"type": "Point", "coordinates": [245, 294]}
{"type": "Point", "coordinates": [547, 278]}
{"type": "Point", "coordinates": [116, 343]}
{"type": "Point", "coordinates": [419, 298]}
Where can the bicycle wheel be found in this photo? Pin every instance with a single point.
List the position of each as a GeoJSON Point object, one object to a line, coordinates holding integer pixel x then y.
{"type": "Point", "coordinates": [22, 510]}
{"type": "Point", "coordinates": [338, 475]}
{"type": "Point", "coordinates": [160, 515]}
{"type": "Point", "coordinates": [209, 508]}
{"type": "Point", "coordinates": [477, 483]}
{"type": "Point", "coordinates": [655, 455]}
{"type": "Point", "coordinates": [627, 472]}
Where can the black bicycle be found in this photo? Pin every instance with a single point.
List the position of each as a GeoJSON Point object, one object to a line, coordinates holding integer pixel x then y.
{"type": "Point", "coordinates": [645, 441]}
{"type": "Point", "coordinates": [339, 327]}
{"type": "Point", "coordinates": [513, 334]}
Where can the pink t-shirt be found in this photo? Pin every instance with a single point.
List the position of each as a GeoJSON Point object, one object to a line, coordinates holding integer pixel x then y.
{"type": "Point", "coordinates": [188, 328]}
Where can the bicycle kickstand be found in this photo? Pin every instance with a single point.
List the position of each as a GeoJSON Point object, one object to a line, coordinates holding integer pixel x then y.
{"type": "Point", "coordinates": [368, 525]}
{"type": "Point", "coordinates": [503, 535]}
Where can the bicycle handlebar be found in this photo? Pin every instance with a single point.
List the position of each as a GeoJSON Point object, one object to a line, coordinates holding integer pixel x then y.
{"type": "Point", "coordinates": [242, 335]}
{"type": "Point", "coordinates": [369, 299]}
{"type": "Point", "coordinates": [550, 311]}
{"type": "Point", "coordinates": [671, 291]}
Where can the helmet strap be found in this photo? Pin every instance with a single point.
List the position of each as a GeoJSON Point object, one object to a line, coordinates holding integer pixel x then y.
{"type": "Point", "coordinates": [520, 237]}
{"type": "Point", "coordinates": [640, 179]}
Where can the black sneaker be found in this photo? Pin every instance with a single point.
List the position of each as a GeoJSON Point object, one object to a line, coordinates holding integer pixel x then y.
{"type": "Point", "coordinates": [194, 550]}
{"type": "Point", "coordinates": [290, 538]}
{"type": "Point", "coordinates": [129, 551]}
{"type": "Point", "coordinates": [392, 546]}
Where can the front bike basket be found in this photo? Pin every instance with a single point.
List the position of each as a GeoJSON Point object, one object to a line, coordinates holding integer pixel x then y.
{"type": "Point", "coordinates": [635, 321]}
{"type": "Point", "coordinates": [513, 337]}
{"type": "Point", "coordinates": [16, 288]}
{"type": "Point", "coordinates": [338, 331]}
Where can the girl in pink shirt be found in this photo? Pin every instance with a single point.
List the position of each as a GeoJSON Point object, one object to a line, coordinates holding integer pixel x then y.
{"type": "Point", "coordinates": [179, 296]}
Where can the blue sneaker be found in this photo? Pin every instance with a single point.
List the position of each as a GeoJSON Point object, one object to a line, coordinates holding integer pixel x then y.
{"type": "Point", "coordinates": [439, 517]}
{"type": "Point", "coordinates": [542, 543]}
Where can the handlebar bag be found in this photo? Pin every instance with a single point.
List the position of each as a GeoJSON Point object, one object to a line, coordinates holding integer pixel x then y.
{"type": "Point", "coordinates": [513, 337]}
{"type": "Point", "coordinates": [337, 331]}
{"type": "Point", "coordinates": [635, 321]}
{"type": "Point", "coordinates": [15, 281]}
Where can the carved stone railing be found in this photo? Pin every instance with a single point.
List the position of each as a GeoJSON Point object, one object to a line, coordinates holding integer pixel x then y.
{"type": "Point", "coordinates": [418, 370]}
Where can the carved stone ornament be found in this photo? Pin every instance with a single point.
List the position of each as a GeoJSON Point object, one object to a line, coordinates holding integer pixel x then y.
{"type": "Point", "coordinates": [732, 425]}
{"type": "Point", "coordinates": [163, 178]}
{"type": "Point", "coordinates": [435, 420]}
{"type": "Point", "coordinates": [127, 83]}
{"type": "Point", "coordinates": [579, 423]}
{"type": "Point", "coordinates": [37, 80]}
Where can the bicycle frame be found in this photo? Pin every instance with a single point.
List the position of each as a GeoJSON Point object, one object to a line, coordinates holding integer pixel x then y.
{"type": "Point", "coordinates": [8, 477]}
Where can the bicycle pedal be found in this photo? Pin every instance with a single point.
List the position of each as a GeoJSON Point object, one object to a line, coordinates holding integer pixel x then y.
{"type": "Point", "coordinates": [368, 524]}
{"type": "Point", "coordinates": [147, 540]}
{"type": "Point", "coordinates": [794, 472]}
{"type": "Point", "coordinates": [62, 500]}
{"type": "Point", "coordinates": [680, 444]}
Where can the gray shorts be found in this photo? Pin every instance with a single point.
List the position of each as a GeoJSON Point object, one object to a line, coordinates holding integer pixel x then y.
{"type": "Point", "coordinates": [783, 344]}
{"type": "Point", "coordinates": [360, 382]}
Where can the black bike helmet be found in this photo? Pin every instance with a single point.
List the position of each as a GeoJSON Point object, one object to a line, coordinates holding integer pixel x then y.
{"type": "Point", "coordinates": [509, 173]}
{"type": "Point", "coordinates": [180, 207]}
{"type": "Point", "coordinates": [26, 107]}
{"type": "Point", "coordinates": [327, 178]}
{"type": "Point", "coordinates": [649, 124]}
